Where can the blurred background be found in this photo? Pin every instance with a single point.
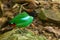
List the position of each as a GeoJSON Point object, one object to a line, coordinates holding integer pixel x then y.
{"type": "Point", "coordinates": [45, 24]}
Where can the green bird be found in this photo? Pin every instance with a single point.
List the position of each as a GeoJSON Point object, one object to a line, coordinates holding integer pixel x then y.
{"type": "Point", "coordinates": [22, 20]}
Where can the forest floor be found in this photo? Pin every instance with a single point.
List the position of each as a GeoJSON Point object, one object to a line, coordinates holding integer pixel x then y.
{"type": "Point", "coordinates": [50, 30]}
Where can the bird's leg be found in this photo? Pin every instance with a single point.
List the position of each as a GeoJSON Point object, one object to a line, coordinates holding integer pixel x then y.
{"type": "Point", "coordinates": [33, 26]}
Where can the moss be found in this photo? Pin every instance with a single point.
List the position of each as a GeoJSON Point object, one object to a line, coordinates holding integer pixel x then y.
{"type": "Point", "coordinates": [21, 35]}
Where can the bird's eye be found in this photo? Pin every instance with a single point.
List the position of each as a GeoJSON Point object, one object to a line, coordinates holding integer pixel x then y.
{"type": "Point", "coordinates": [11, 23]}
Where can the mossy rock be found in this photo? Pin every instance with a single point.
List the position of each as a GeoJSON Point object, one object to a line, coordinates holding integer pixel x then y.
{"type": "Point", "coordinates": [41, 15]}
{"type": "Point", "coordinates": [49, 14]}
{"type": "Point", "coordinates": [53, 15]}
{"type": "Point", "coordinates": [21, 35]}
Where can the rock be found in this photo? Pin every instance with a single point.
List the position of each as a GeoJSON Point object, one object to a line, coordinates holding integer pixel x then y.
{"type": "Point", "coordinates": [21, 35]}
{"type": "Point", "coordinates": [53, 15]}
{"type": "Point", "coordinates": [49, 14]}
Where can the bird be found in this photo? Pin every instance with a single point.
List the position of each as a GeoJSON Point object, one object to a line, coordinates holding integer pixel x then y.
{"type": "Point", "coordinates": [22, 20]}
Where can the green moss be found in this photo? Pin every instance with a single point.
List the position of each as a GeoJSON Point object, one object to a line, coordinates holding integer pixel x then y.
{"type": "Point", "coordinates": [21, 35]}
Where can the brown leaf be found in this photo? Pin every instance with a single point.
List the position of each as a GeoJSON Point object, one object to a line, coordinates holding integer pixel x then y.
{"type": "Point", "coordinates": [51, 29]}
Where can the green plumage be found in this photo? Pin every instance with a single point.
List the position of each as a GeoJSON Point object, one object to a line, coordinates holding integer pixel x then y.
{"type": "Point", "coordinates": [22, 20]}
